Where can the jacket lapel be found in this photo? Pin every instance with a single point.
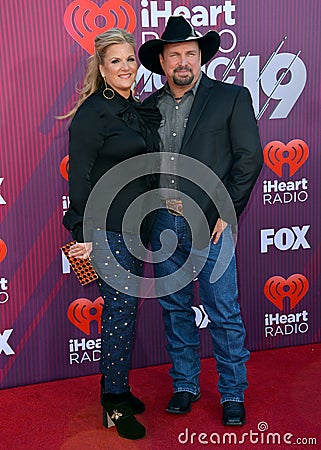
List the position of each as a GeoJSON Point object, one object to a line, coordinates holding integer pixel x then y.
{"type": "Point", "coordinates": [201, 98]}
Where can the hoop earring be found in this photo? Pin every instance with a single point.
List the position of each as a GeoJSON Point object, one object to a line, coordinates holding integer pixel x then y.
{"type": "Point", "coordinates": [107, 91]}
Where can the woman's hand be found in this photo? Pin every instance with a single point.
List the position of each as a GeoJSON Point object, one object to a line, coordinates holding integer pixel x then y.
{"type": "Point", "coordinates": [81, 250]}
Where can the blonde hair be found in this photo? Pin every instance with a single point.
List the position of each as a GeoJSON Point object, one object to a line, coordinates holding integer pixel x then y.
{"type": "Point", "coordinates": [93, 78]}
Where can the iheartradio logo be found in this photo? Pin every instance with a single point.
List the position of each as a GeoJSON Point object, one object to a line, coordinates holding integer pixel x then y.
{"type": "Point", "coordinates": [84, 19]}
{"type": "Point", "coordinates": [82, 312]}
{"type": "Point", "coordinates": [277, 288]}
{"type": "Point", "coordinates": [277, 154]}
{"type": "Point", "coordinates": [3, 250]}
{"type": "Point", "coordinates": [64, 167]}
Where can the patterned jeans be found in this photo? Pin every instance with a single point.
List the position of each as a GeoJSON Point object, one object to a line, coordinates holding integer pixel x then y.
{"type": "Point", "coordinates": [115, 262]}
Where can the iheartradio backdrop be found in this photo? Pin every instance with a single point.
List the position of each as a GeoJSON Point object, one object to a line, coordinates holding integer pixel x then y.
{"type": "Point", "coordinates": [49, 324]}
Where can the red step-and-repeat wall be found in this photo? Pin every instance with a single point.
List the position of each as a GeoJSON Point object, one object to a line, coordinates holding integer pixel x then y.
{"type": "Point", "coordinates": [49, 324]}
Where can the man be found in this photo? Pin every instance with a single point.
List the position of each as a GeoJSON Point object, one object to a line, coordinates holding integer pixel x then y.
{"type": "Point", "coordinates": [213, 123]}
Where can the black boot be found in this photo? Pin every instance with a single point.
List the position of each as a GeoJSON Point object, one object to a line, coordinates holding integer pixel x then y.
{"type": "Point", "coordinates": [136, 405]}
{"type": "Point", "coordinates": [117, 410]}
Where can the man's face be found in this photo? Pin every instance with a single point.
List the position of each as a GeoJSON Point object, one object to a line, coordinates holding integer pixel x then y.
{"type": "Point", "coordinates": [181, 63]}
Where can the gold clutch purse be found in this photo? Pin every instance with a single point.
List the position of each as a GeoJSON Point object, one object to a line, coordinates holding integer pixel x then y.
{"type": "Point", "coordinates": [82, 268]}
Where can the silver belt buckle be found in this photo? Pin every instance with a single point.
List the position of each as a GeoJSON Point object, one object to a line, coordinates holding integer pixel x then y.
{"type": "Point", "coordinates": [174, 206]}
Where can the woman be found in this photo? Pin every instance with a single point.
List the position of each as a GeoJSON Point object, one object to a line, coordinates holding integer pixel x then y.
{"type": "Point", "coordinates": [106, 130]}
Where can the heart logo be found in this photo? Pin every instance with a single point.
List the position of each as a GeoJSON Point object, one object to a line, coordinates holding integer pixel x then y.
{"type": "Point", "coordinates": [82, 312]}
{"type": "Point", "coordinates": [277, 288]}
{"type": "Point", "coordinates": [83, 20]}
{"type": "Point", "coordinates": [276, 154]}
{"type": "Point", "coordinates": [3, 250]}
{"type": "Point", "coordinates": [64, 167]}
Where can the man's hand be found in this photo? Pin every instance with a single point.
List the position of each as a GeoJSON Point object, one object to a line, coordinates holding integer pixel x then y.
{"type": "Point", "coordinates": [218, 230]}
{"type": "Point", "coordinates": [81, 250]}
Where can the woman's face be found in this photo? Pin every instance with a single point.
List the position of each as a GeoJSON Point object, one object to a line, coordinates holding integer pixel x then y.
{"type": "Point", "coordinates": [120, 67]}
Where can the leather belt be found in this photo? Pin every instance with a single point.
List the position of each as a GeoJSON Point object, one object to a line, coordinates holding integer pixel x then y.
{"type": "Point", "coordinates": [174, 206]}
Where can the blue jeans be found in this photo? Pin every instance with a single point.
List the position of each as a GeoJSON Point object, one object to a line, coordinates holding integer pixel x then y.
{"type": "Point", "coordinates": [219, 300]}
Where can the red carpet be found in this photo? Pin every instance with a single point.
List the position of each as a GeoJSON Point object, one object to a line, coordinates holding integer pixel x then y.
{"type": "Point", "coordinates": [283, 401]}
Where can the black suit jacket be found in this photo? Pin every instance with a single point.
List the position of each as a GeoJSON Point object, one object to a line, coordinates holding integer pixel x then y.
{"type": "Point", "coordinates": [221, 133]}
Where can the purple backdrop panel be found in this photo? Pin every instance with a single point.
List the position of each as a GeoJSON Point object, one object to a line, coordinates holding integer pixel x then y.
{"type": "Point", "coordinates": [269, 47]}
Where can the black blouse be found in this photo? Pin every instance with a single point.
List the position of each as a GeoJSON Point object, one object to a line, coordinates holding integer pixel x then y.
{"type": "Point", "coordinates": [104, 133]}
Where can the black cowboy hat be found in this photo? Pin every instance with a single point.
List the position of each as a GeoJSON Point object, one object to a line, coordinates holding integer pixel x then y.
{"type": "Point", "coordinates": [177, 30]}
